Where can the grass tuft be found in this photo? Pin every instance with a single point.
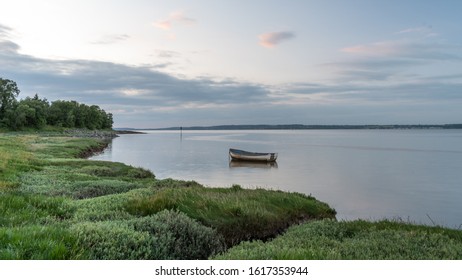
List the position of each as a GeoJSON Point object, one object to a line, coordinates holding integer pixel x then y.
{"type": "Point", "coordinates": [39, 242]}
{"type": "Point", "coordinates": [23, 209]}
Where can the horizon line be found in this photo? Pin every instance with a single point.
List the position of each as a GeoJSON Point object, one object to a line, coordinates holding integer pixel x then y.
{"type": "Point", "coordinates": [300, 126]}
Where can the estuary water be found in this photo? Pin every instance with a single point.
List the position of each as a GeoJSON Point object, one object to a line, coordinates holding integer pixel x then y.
{"type": "Point", "coordinates": [411, 175]}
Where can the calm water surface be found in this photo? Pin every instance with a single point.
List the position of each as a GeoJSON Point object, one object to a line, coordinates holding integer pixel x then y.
{"type": "Point", "coordinates": [411, 175]}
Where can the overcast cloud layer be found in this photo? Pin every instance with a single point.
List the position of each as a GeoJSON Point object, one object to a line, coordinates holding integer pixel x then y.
{"type": "Point", "coordinates": [381, 82]}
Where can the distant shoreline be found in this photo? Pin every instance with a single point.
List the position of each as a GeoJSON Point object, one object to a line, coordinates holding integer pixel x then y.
{"type": "Point", "coordinates": [304, 127]}
{"type": "Point", "coordinates": [128, 131]}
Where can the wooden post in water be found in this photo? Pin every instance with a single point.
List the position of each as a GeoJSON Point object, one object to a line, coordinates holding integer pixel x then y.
{"type": "Point", "coordinates": [181, 133]}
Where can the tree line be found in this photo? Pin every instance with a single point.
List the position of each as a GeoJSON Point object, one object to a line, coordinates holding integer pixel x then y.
{"type": "Point", "coordinates": [35, 112]}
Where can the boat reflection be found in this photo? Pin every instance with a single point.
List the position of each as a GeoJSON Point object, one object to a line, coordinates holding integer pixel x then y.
{"type": "Point", "coordinates": [252, 164]}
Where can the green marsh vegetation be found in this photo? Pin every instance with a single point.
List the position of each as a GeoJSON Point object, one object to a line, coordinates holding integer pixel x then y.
{"type": "Point", "coordinates": [56, 205]}
{"type": "Point", "coordinates": [354, 240]}
{"type": "Point", "coordinates": [237, 214]}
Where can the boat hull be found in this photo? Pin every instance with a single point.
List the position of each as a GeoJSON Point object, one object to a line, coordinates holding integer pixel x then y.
{"type": "Point", "coordinates": [236, 154]}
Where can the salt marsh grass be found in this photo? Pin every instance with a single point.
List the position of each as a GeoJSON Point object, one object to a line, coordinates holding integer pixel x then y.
{"type": "Point", "coordinates": [357, 240]}
{"type": "Point", "coordinates": [236, 213]}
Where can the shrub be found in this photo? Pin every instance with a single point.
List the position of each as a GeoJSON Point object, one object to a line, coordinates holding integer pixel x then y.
{"type": "Point", "coordinates": [140, 173]}
{"type": "Point", "coordinates": [111, 169]}
{"type": "Point", "coordinates": [236, 187]}
{"type": "Point", "coordinates": [171, 183]}
{"type": "Point", "coordinates": [167, 235]}
{"type": "Point", "coordinates": [108, 207]}
{"type": "Point", "coordinates": [97, 170]}
{"type": "Point", "coordinates": [113, 240]}
{"type": "Point", "coordinates": [187, 238]}
{"type": "Point", "coordinates": [89, 189]}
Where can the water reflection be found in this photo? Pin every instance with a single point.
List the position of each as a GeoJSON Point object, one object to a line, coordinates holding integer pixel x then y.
{"type": "Point", "coordinates": [250, 164]}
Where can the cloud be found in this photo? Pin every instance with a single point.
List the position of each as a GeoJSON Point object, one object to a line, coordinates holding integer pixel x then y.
{"type": "Point", "coordinates": [175, 18]}
{"type": "Point", "coordinates": [271, 39]}
{"type": "Point", "coordinates": [426, 31]}
{"type": "Point", "coordinates": [111, 83]}
{"type": "Point", "coordinates": [386, 48]}
{"type": "Point", "coordinates": [167, 53]}
{"type": "Point", "coordinates": [4, 30]}
{"type": "Point", "coordinates": [111, 39]}
{"type": "Point", "coordinates": [411, 70]}
{"type": "Point", "coordinates": [409, 46]}
{"type": "Point", "coordinates": [134, 92]}
{"type": "Point", "coordinates": [6, 45]}
{"type": "Point", "coordinates": [406, 49]}
{"type": "Point", "coordinates": [422, 90]}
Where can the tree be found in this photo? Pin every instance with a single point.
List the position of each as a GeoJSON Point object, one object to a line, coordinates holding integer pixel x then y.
{"type": "Point", "coordinates": [62, 113]}
{"type": "Point", "coordinates": [73, 114]}
{"type": "Point", "coordinates": [8, 92]}
{"type": "Point", "coordinates": [94, 118]}
{"type": "Point", "coordinates": [108, 120]}
{"type": "Point", "coordinates": [37, 111]}
{"type": "Point", "coordinates": [23, 114]}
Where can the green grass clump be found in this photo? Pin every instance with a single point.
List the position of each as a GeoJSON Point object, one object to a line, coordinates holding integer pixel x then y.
{"type": "Point", "coordinates": [104, 169]}
{"type": "Point", "coordinates": [237, 214]}
{"type": "Point", "coordinates": [358, 240]}
{"type": "Point", "coordinates": [21, 209]}
{"type": "Point", "coordinates": [64, 147]}
{"type": "Point", "coordinates": [170, 183]}
{"type": "Point", "coordinates": [167, 235]}
{"type": "Point", "coordinates": [39, 242]}
{"type": "Point", "coordinates": [58, 181]}
{"type": "Point", "coordinates": [14, 158]}
{"type": "Point", "coordinates": [81, 179]}
{"type": "Point", "coordinates": [89, 189]}
{"type": "Point", "coordinates": [108, 207]}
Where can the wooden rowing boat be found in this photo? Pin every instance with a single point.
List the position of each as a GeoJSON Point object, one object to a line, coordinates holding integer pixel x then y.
{"type": "Point", "coordinates": [236, 154]}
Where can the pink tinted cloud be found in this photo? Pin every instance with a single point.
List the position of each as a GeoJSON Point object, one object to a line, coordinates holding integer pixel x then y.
{"type": "Point", "coordinates": [376, 49]}
{"type": "Point", "coordinates": [175, 18]}
{"type": "Point", "coordinates": [271, 39]}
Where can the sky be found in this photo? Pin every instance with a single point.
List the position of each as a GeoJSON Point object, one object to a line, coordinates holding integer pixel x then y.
{"type": "Point", "coordinates": [158, 63]}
